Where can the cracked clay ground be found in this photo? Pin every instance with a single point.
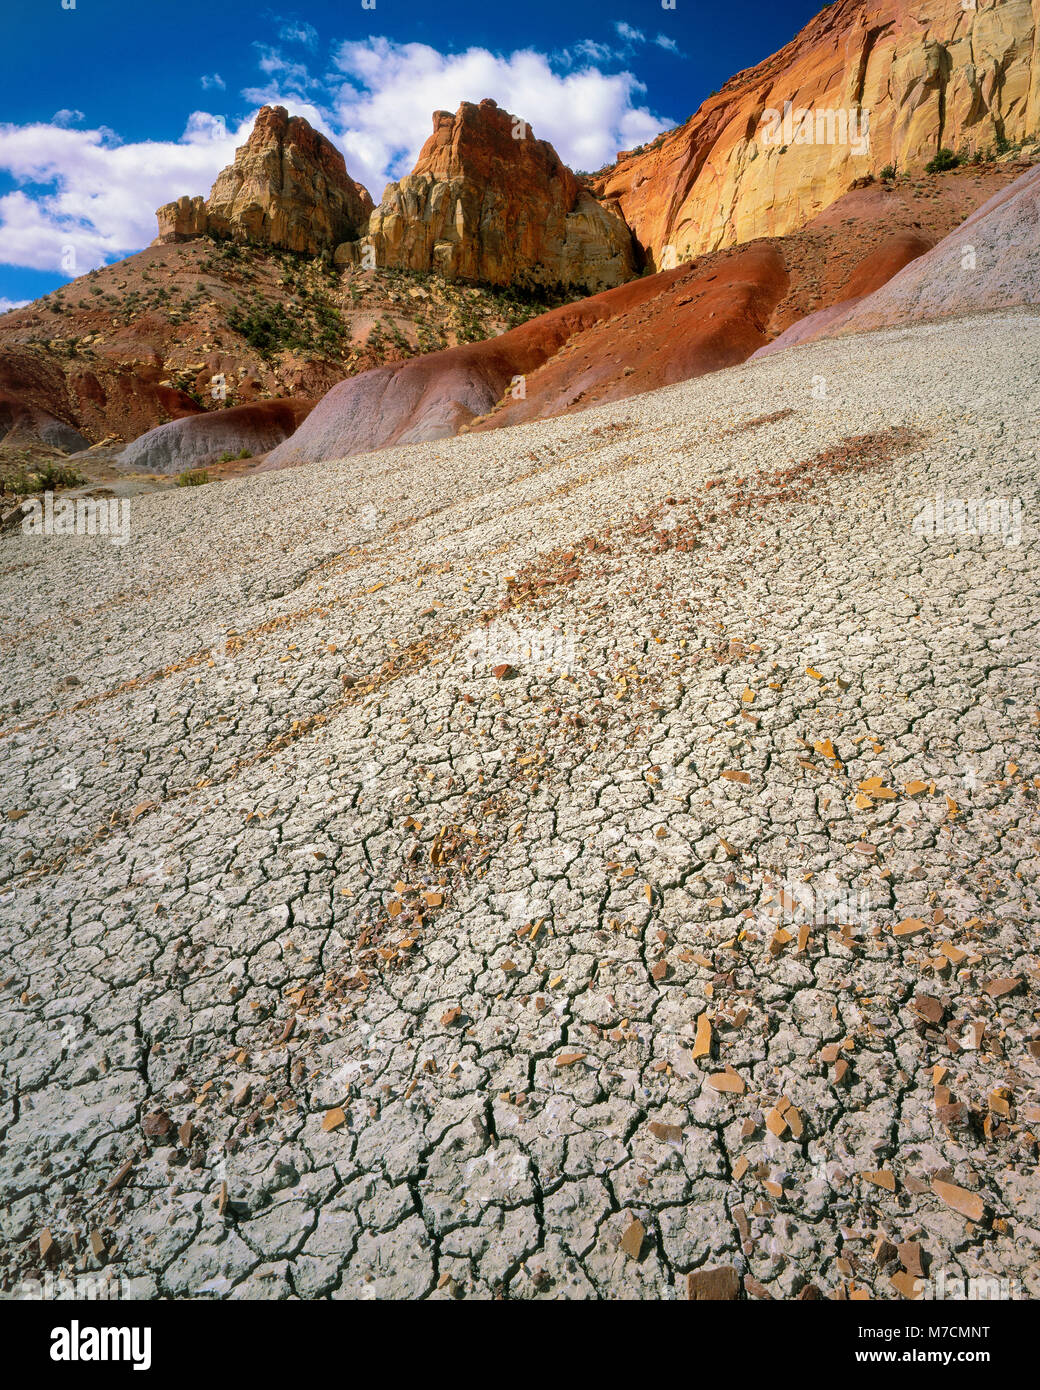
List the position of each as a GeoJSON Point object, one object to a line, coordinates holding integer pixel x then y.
{"type": "Point", "coordinates": [338, 961]}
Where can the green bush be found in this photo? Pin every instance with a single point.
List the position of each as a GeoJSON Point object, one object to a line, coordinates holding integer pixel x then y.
{"type": "Point", "coordinates": [945, 159]}
{"type": "Point", "coordinates": [888, 172]}
{"type": "Point", "coordinates": [264, 326]}
{"type": "Point", "coordinates": [193, 477]}
{"type": "Point", "coordinates": [46, 478]}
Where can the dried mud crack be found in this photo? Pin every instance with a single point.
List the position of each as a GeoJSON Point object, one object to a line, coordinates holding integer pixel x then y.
{"type": "Point", "coordinates": [591, 859]}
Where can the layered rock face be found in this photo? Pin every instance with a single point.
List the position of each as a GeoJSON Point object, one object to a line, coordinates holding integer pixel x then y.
{"type": "Point", "coordinates": [487, 201]}
{"type": "Point", "coordinates": [884, 82]}
{"type": "Point", "coordinates": [288, 187]}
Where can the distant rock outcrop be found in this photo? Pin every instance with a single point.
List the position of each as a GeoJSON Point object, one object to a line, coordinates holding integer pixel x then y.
{"type": "Point", "coordinates": [288, 187]}
{"type": "Point", "coordinates": [882, 82]}
{"type": "Point", "coordinates": [487, 201]}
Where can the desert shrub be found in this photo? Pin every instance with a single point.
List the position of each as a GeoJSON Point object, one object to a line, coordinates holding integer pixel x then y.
{"type": "Point", "coordinates": [192, 477]}
{"type": "Point", "coordinates": [46, 478]}
{"type": "Point", "coordinates": [945, 159]}
{"type": "Point", "coordinates": [888, 172]}
{"type": "Point", "coordinates": [263, 325]}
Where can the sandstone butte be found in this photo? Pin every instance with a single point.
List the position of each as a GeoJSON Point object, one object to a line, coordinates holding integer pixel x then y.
{"type": "Point", "coordinates": [928, 74]}
{"type": "Point", "coordinates": [488, 201]}
{"type": "Point", "coordinates": [287, 187]}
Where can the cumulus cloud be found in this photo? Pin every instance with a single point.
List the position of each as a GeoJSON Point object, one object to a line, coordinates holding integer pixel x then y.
{"type": "Point", "coordinates": [211, 81]}
{"type": "Point", "coordinates": [382, 110]}
{"type": "Point", "coordinates": [99, 195]}
{"type": "Point", "coordinates": [84, 197]}
{"type": "Point", "coordinates": [298, 31]}
{"type": "Point", "coordinates": [6, 305]}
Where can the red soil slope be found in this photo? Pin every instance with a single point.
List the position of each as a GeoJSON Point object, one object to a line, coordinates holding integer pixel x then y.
{"type": "Point", "coordinates": [991, 261]}
{"type": "Point", "coordinates": [712, 313]}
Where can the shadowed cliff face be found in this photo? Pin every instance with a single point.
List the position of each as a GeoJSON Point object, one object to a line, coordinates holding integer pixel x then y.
{"type": "Point", "coordinates": [488, 201]}
{"type": "Point", "coordinates": [886, 82]}
{"type": "Point", "coordinates": [288, 187]}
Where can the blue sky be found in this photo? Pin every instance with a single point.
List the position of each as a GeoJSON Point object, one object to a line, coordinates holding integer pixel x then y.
{"type": "Point", "coordinates": [135, 104]}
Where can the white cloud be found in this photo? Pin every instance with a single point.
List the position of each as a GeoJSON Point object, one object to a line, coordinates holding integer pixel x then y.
{"type": "Point", "coordinates": [285, 70]}
{"type": "Point", "coordinates": [6, 305]}
{"type": "Point", "coordinates": [298, 31]}
{"type": "Point", "coordinates": [383, 110]}
{"type": "Point", "coordinates": [101, 195]}
{"type": "Point", "coordinates": [66, 117]}
{"type": "Point", "coordinates": [590, 50]}
{"type": "Point", "coordinates": [212, 80]}
{"type": "Point", "coordinates": [663, 41]}
{"type": "Point", "coordinates": [625, 31]}
{"type": "Point", "coordinates": [83, 197]}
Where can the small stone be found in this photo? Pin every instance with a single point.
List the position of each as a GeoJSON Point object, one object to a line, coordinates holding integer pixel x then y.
{"type": "Point", "coordinates": [632, 1240]}
{"type": "Point", "coordinates": [721, 1284]}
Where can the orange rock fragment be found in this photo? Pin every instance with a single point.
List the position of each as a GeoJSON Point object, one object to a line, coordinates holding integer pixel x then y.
{"type": "Point", "coordinates": [969, 1204]}
{"type": "Point", "coordinates": [881, 1178]}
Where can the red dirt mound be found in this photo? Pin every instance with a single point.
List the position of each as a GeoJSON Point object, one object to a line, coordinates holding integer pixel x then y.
{"type": "Point", "coordinates": [23, 425]}
{"type": "Point", "coordinates": [435, 395]}
{"type": "Point", "coordinates": [710, 317]}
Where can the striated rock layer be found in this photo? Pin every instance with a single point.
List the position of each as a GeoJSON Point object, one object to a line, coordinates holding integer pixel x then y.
{"type": "Point", "coordinates": [886, 82]}
{"type": "Point", "coordinates": [288, 187]}
{"type": "Point", "coordinates": [487, 201]}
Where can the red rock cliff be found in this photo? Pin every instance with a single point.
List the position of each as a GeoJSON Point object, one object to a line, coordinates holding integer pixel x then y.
{"type": "Point", "coordinates": [886, 81]}
{"type": "Point", "coordinates": [288, 187]}
{"type": "Point", "coordinates": [488, 201]}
